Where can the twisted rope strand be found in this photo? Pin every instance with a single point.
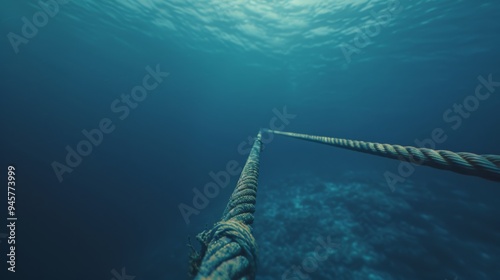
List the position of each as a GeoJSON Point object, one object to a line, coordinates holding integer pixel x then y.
{"type": "Point", "coordinates": [229, 248]}
{"type": "Point", "coordinates": [484, 166]}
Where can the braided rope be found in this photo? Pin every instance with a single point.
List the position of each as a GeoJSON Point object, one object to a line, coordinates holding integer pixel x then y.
{"type": "Point", "coordinates": [485, 166]}
{"type": "Point", "coordinates": [229, 248]}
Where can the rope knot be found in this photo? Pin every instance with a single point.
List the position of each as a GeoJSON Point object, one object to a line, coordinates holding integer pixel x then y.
{"type": "Point", "coordinates": [228, 243]}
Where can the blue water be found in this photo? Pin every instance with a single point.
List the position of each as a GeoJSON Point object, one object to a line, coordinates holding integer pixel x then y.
{"type": "Point", "coordinates": [381, 71]}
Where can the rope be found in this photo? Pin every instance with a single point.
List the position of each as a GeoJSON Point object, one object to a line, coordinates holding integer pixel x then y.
{"type": "Point", "coordinates": [485, 166]}
{"type": "Point", "coordinates": [229, 248]}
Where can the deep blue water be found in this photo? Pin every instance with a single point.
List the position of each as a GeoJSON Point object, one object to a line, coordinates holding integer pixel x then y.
{"type": "Point", "coordinates": [381, 71]}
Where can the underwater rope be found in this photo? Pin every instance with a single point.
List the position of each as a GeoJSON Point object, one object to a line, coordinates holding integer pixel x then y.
{"type": "Point", "coordinates": [229, 248]}
{"type": "Point", "coordinates": [485, 166]}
